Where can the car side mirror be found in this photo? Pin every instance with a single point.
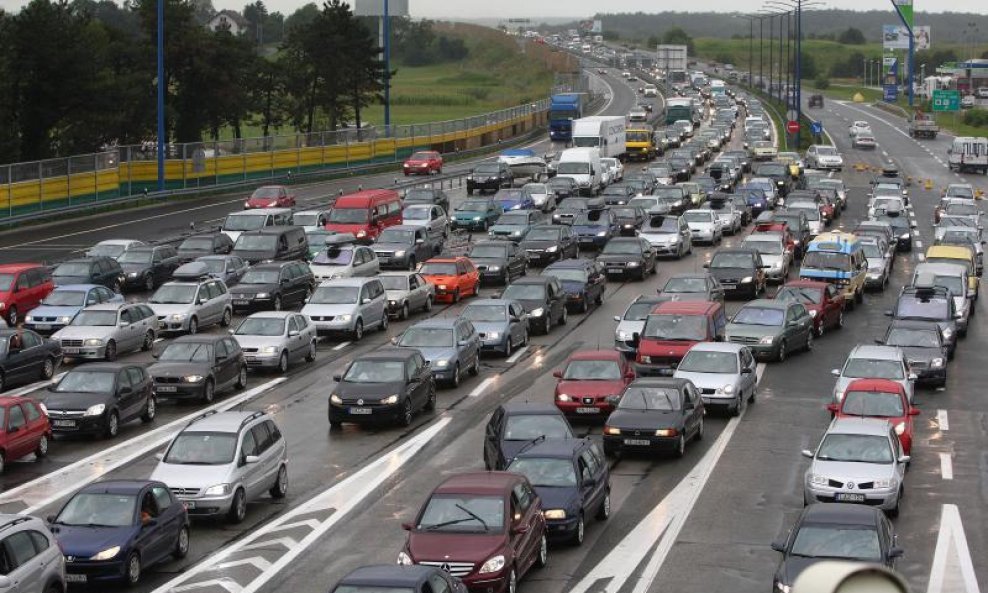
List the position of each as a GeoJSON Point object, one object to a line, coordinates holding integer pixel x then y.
{"type": "Point", "coordinates": [366, 301]}
{"type": "Point", "coordinates": [557, 374]}
{"type": "Point", "coordinates": [914, 411]}
{"type": "Point", "coordinates": [200, 301]}
{"type": "Point", "coordinates": [407, 526]}
{"type": "Point", "coordinates": [896, 552]}
{"type": "Point", "coordinates": [519, 529]}
{"type": "Point", "coordinates": [807, 453]}
{"type": "Point", "coordinates": [835, 372]}
{"type": "Point", "coordinates": [779, 546]}
{"type": "Point", "coordinates": [250, 459]}
{"type": "Point", "coordinates": [913, 376]}
{"type": "Point", "coordinates": [293, 333]}
{"type": "Point", "coordinates": [617, 318]}
{"type": "Point", "coordinates": [463, 343]}
{"type": "Point", "coordinates": [832, 408]}
{"type": "Point", "coordinates": [879, 341]}
{"type": "Point", "coordinates": [337, 378]}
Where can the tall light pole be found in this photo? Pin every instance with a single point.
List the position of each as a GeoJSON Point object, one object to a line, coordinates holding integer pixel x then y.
{"type": "Point", "coordinates": [797, 6]}
{"type": "Point", "coordinates": [161, 95]}
{"type": "Point", "coordinates": [751, 46]}
{"type": "Point", "coordinates": [387, 68]}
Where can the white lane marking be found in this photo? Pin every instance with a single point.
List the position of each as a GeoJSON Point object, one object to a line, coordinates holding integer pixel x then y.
{"type": "Point", "coordinates": [919, 244]}
{"type": "Point", "coordinates": [921, 257]}
{"type": "Point", "coordinates": [952, 570]}
{"type": "Point", "coordinates": [330, 506]}
{"type": "Point", "coordinates": [946, 467]}
{"type": "Point", "coordinates": [34, 386]}
{"type": "Point", "coordinates": [514, 357]}
{"type": "Point", "coordinates": [42, 491]}
{"type": "Point", "coordinates": [341, 345]}
{"type": "Point", "coordinates": [479, 389]}
{"type": "Point", "coordinates": [942, 421]}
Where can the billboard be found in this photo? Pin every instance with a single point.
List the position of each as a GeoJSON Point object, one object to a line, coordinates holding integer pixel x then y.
{"type": "Point", "coordinates": [376, 7]}
{"type": "Point", "coordinates": [897, 37]}
{"type": "Point", "coordinates": [594, 27]}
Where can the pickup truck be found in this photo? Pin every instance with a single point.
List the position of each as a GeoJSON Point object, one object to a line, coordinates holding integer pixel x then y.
{"type": "Point", "coordinates": [923, 125]}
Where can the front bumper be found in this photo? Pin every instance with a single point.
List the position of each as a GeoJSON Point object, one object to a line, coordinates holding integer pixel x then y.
{"type": "Point", "coordinates": [87, 571]}
{"type": "Point", "coordinates": [883, 498]}
{"type": "Point", "coordinates": [561, 529]}
{"type": "Point", "coordinates": [333, 326]}
{"type": "Point", "coordinates": [541, 257]}
{"type": "Point", "coordinates": [44, 329]}
{"type": "Point", "coordinates": [667, 249]}
{"type": "Point", "coordinates": [253, 304]}
{"type": "Point", "coordinates": [179, 390]}
{"type": "Point", "coordinates": [393, 262]}
{"type": "Point", "coordinates": [639, 440]}
{"type": "Point", "coordinates": [369, 414]}
{"type": "Point", "coordinates": [77, 424]}
{"type": "Point", "coordinates": [586, 408]}
{"type": "Point", "coordinates": [257, 360]}
{"type": "Point", "coordinates": [85, 352]}
{"type": "Point", "coordinates": [664, 368]}
{"type": "Point", "coordinates": [928, 374]}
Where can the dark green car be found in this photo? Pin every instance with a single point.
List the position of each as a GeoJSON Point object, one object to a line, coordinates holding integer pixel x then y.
{"type": "Point", "coordinates": [772, 329]}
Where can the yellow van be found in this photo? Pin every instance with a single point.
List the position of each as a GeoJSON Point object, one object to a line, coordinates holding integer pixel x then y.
{"type": "Point", "coordinates": [956, 254]}
{"type": "Point", "coordinates": [837, 258]}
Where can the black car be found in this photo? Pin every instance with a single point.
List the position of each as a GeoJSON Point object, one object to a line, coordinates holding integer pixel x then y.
{"type": "Point", "coordinates": [198, 367]}
{"type": "Point", "coordinates": [618, 194]}
{"type": "Point", "coordinates": [36, 358]}
{"type": "Point", "coordinates": [582, 279]}
{"type": "Point", "coordinates": [498, 262]}
{"type": "Point", "coordinates": [629, 219]}
{"type": "Point", "coordinates": [676, 197]}
{"type": "Point", "coordinates": [929, 303]}
{"type": "Point", "coordinates": [722, 173]}
{"type": "Point", "coordinates": [426, 195]}
{"type": "Point", "coordinates": [543, 298]}
{"type": "Point", "coordinates": [901, 227]}
{"type": "Point", "coordinates": [641, 186]}
{"type": "Point", "coordinates": [656, 414]}
{"type": "Point", "coordinates": [708, 184]}
{"type": "Point", "coordinates": [409, 579]}
{"type": "Point", "coordinates": [148, 267]}
{"type": "Point", "coordinates": [739, 271]}
{"type": "Point", "coordinates": [200, 245]}
{"type": "Point", "coordinates": [628, 256]}
{"type": "Point", "coordinates": [548, 243]}
{"type": "Point", "coordinates": [273, 286]}
{"type": "Point", "coordinates": [742, 157]}
{"type": "Point", "coordinates": [514, 425]}
{"type": "Point", "coordinates": [650, 181]}
{"type": "Point", "coordinates": [835, 531]}
{"type": "Point", "coordinates": [563, 187]}
{"type": "Point", "coordinates": [682, 167]}
{"type": "Point", "coordinates": [924, 347]}
{"type": "Point", "coordinates": [741, 203]}
{"type": "Point", "coordinates": [403, 247]}
{"type": "Point", "coordinates": [692, 286]}
{"type": "Point", "coordinates": [798, 225]}
{"type": "Point", "coordinates": [97, 398]}
{"type": "Point", "coordinates": [90, 270]}
{"type": "Point", "coordinates": [778, 173]}
{"type": "Point", "coordinates": [385, 386]}
{"type": "Point", "coordinates": [572, 479]}
{"type": "Point", "coordinates": [674, 138]}
{"type": "Point", "coordinates": [490, 176]}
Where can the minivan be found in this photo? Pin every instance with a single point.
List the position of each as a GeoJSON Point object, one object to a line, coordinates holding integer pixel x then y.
{"type": "Point", "coordinates": [837, 258]}
{"type": "Point", "coordinates": [283, 243]}
{"type": "Point", "coordinates": [254, 220]}
{"type": "Point", "coordinates": [365, 213]}
{"type": "Point", "coordinates": [671, 329]}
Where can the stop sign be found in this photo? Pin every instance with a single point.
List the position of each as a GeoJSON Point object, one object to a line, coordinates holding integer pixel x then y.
{"type": "Point", "coordinates": [792, 126]}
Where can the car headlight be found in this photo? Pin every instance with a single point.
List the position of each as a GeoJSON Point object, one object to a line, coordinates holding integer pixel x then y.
{"type": "Point", "coordinates": [782, 588]}
{"type": "Point", "coordinates": [345, 318]}
{"type": "Point", "coordinates": [623, 335]}
{"type": "Point", "coordinates": [552, 249]}
{"type": "Point", "coordinates": [948, 333]}
{"type": "Point", "coordinates": [29, 319]}
{"type": "Point", "coordinates": [335, 399]}
{"type": "Point", "coordinates": [936, 363]}
{"type": "Point", "coordinates": [106, 554]}
{"type": "Point", "coordinates": [493, 335]}
{"type": "Point", "coordinates": [602, 234]}
{"type": "Point", "coordinates": [728, 389]}
{"type": "Point", "coordinates": [886, 483]}
{"type": "Point", "coordinates": [193, 378]}
{"type": "Point", "coordinates": [269, 350]}
{"type": "Point", "coordinates": [469, 178]}
{"type": "Point", "coordinates": [563, 397]}
{"type": "Point", "coordinates": [904, 236]}
{"type": "Point", "coordinates": [217, 490]}
{"type": "Point", "coordinates": [361, 233]}
{"type": "Point", "coordinates": [765, 340]}
{"type": "Point", "coordinates": [442, 287]}
{"type": "Point", "coordinates": [94, 342]}
{"type": "Point", "coordinates": [403, 558]}
{"type": "Point", "coordinates": [817, 480]}
{"type": "Point", "coordinates": [132, 274]}
{"type": "Point", "coordinates": [247, 204]}
{"type": "Point", "coordinates": [516, 233]}
{"type": "Point", "coordinates": [494, 268]}
{"type": "Point", "coordinates": [900, 428]}
{"type": "Point", "coordinates": [611, 430]}
{"type": "Point", "coordinates": [178, 316]}
{"type": "Point", "coordinates": [746, 280]}
{"type": "Point", "coordinates": [812, 312]}
{"type": "Point", "coordinates": [633, 264]}
{"type": "Point", "coordinates": [666, 432]}
{"type": "Point", "coordinates": [441, 364]}
{"type": "Point", "coordinates": [390, 400]}
{"type": "Point", "coordinates": [537, 312]}
{"type": "Point", "coordinates": [554, 514]}
{"type": "Point", "coordinates": [494, 564]}
{"type": "Point", "coordinates": [475, 219]}
{"type": "Point", "coordinates": [65, 319]}
{"type": "Point", "coordinates": [262, 295]}
{"type": "Point", "coordinates": [400, 253]}
{"type": "Point", "coordinates": [96, 410]}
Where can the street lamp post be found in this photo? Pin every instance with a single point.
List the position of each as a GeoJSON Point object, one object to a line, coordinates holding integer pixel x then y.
{"type": "Point", "coordinates": [161, 95]}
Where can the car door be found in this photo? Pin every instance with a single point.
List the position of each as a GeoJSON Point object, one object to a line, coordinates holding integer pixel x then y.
{"type": "Point", "coordinates": [171, 518]}
{"type": "Point", "coordinates": [415, 382]}
{"type": "Point", "coordinates": [556, 299]}
{"type": "Point", "coordinates": [141, 383]}
{"type": "Point", "coordinates": [229, 367]}
{"type": "Point", "coordinates": [805, 324]}
{"type": "Point", "coordinates": [215, 303]}
{"type": "Point", "coordinates": [298, 346]}
{"type": "Point", "coordinates": [471, 349]}
{"type": "Point", "coordinates": [129, 334]}
{"type": "Point", "coordinates": [692, 410]}
{"type": "Point", "coordinates": [748, 366]}
{"type": "Point", "coordinates": [492, 438]}
{"type": "Point", "coordinates": [126, 397]}
{"type": "Point", "coordinates": [34, 354]}
{"type": "Point", "coordinates": [267, 466]}
{"type": "Point", "coordinates": [591, 485]}
{"type": "Point", "coordinates": [19, 561]}
{"type": "Point", "coordinates": [20, 442]}
{"type": "Point", "coordinates": [523, 535]}
{"type": "Point", "coordinates": [155, 538]}
{"type": "Point", "coordinates": [516, 324]}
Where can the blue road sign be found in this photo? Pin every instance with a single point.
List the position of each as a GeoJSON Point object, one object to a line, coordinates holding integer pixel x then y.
{"type": "Point", "coordinates": [816, 127]}
{"type": "Point", "coordinates": [891, 92]}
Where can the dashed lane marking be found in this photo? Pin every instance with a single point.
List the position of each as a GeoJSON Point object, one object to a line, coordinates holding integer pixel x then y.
{"type": "Point", "coordinates": [942, 420]}
{"type": "Point", "coordinates": [952, 570]}
{"type": "Point", "coordinates": [518, 354]}
{"type": "Point", "coordinates": [341, 345]}
{"type": "Point", "coordinates": [946, 467]}
{"type": "Point", "coordinates": [479, 389]}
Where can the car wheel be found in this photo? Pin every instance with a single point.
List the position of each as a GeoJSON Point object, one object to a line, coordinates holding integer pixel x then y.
{"type": "Point", "coordinates": [430, 402]}
{"type": "Point", "coordinates": [385, 321]}
{"type": "Point", "coordinates": [736, 408]}
{"type": "Point", "coordinates": [404, 312]}
{"type": "Point", "coordinates": [524, 338]}
{"type": "Point", "coordinates": [406, 413]}
{"type": "Point", "coordinates": [546, 324]}
{"type": "Point", "coordinates": [148, 342]}
{"type": "Point", "coordinates": [543, 558]}
{"type": "Point", "coordinates": [193, 326]}
{"type": "Point", "coordinates": [112, 425]}
{"type": "Point", "coordinates": [182, 544]}
{"type": "Point", "coordinates": [809, 342]}
{"type": "Point", "coordinates": [411, 264]}
{"type": "Point", "coordinates": [840, 319]}
{"type": "Point", "coordinates": [48, 368]}
{"type": "Point", "coordinates": [150, 410]}
{"type": "Point", "coordinates": [564, 316]}
{"type": "Point", "coordinates": [580, 532]}
{"type": "Point", "coordinates": [241, 378]}
{"type": "Point", "coordinates": [116, 287]}
{"type": "Point", "coordinates": [456, 296]}
{"type": "Point", "coordinates": [3, 384]}
{"type": "Point", "coordinates": [428, 304]}
{"type": "Point", "coordinates": [208, 392]}
{"type": "Point", "coordinates": [277, 303]}
{"type": "Point", "coordinates": [584, 303]}
{"type": "Point", "coordinates": [280, 488]}
{"type": "Point", "coordinates": [507, 347]}
{"type": "Point", "coordinates": [859, 296]}
{"type": "Point", "coordinates": [455, 381]}
{"type": "Point", "coordinates": [111, 351]}
{"type": "Point", "coordinates": [283, 363]}
{"type": "Point", "coordinates": [42, 449]}
{"type": "Point", "coordinates": [311, 356]}
{"type": "Point", "coordinates": [12, 318]}
{"type": "Point", "coordinates": [604, 511]}
{"type": "Point", "coordinates": [780, 355]}
{"type": "Point", "coordinates": [681, 446]}
{"type": "Point", "coordinates": [358, 331]}
{"type": "Point", "coordinates": [133, 570]}
{"type": "Point", "coordinates": [699, 429]}
{"type": "Point", "coordinates": [238, 508]}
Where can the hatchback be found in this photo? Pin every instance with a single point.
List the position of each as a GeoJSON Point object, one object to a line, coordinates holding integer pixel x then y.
{"type": "Point", "coordinates": [97, 398]}
{"type": "Point", "coordinates": [591, 382]}
{"type": "Point", "coordinates": [450, 347]}
{"type": "Point", "coordinates": [348, 306]}
{"type": "Point", "coordinates": [199, 367]}
{"type": "Point", "coordinates": [453, 277]}
{"type": "Point", "coordinates": [655, 415]}
{"type": "Point", "coordinates": [501, 324]}
{"type": "Point", "coordinates": [103, 331]}
{"type": "Point", "coordinates": [24, 429]}
{"type": "Point", "coordinates": [514, 425]}
{"type": "Point", "coordinates": [386, 386]}
{"type": "Point", "coordinates": [544, 301]}
{"type": "Point", "coordinates": [36, 358]}
{"type": "Point", "coordinates": [33, 561]}
{"type": "Point", "coordinates": [60, 307]}
{"type": "Point", "coordinates": [94, 270]}
{"type": "Point", "coordinates": [276, 339]}
{"type": "Point", "coordinates": [723, 373]}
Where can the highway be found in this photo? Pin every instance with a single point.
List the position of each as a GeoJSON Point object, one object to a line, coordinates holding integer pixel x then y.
{"type": "Point", "coordinates": [701, 523]}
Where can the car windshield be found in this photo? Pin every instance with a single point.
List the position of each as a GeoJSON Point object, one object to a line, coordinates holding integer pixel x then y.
{"type": "Point", "coordinates": [771, 171]}
{"type": "Point", "coordinates": [957, 191]}
{"type": "Point", "coordinates": [135, 256]}
{"type": "Point", "coordinates": [106, 250]}
{"type": "Point", "coordinates": [99, 509]}
{"type": "Point", "coordinates": [536, 189]}
{"type": "Point", "coordinates": [414, 214]}
{"type": "Point", "coordinates": [202, 448]}
{"type": "Point", "coordinates": [489, 251]}
{"type": "Point", "coordinates": [916, 338]}
{"type": "Point", "coordinates": [732, 260]}
{"type": "Point", "coordinates": [438, 269]}
{"type": "Point", "coordinates": [260, 277]}
{"type": "Point", "coordinates": [525, 292]}
{"type": "Point", "coordinates": [767, 316]}
{"type": "Point", "coordinates": [485, 313]}
{"type": "Point", "coordinates": [515, 195]}
{"type": "Point", "coordinates": [872, 403]}
{"type": "Point", "coordinates": [256, 242]}
{"type": "Point", "coordinates": [800, 294]}
{"type": "Point", "coordinates": [935, 308]}
{"type": "Point", "coordinates": [244, 222]}
{"type": "Point", "coordinates": [638, 311]}
{"type": "Point", "coordinates": [392, 235]}
{"type": "Point", "coordinates": [704, 361]}
{"type": "Point", "coordinates": [543, 235]}
{"type": "Point", "coordinates": [334, 295]}
{"type": "Point", "coordinates": [472, 206]}
{"type": "Point", "coordinates": [174, 294]}
{"type": "Point", "coordinates": [570, 274]}
{"type": "Point", "coordinates": [266, 192]}
{"type": "Point", "coordinates": [699, 216]}
{"type": "Point", "coordinates": [187, 352]}
{"type": "Point", "coordinates": [643, 203]}
{"type": "Point", "coordinates": [676, 327]}
{"type": "Point", "coordinates": [66, 269]}
{"type": "Point", "coordinates": [95, 318]}
{"type": "Point", "coordinates": [376, 371]}
{"type": "Point", "coordinates": [685, 285]}
{"type": "Point", "coordinates": [422, 156]}
{"type": "Point", "coordinates": [197, 244]}
{"type": "Point", "coordinates": [650, 398]}
{"type": "Point", "coordinates": [262, 326]}
{"type": "Point", "coordinates": [955, 284]}
{"type": "Point", "coordinates": [961, 209]}
{"type": "Point", "coordinates": [525, 427]}
{"type": "Point", "coordinates": [488, 169]}
{"type": "Point", "coordinates": [462, 513]}
{"type": "Point", "coordinates": [827, 150]}
{"type": "Point", "coordinates": [827, 260]}
{"type": "Point", "coordinates": [859, 448]}
{"type": "Point", "coordinates": [764, 247]}
{"type": "Point", "coordinates": [333, 256]}
{"type": "Point", "coordinates": [828, 541]}
{"type": "Point", "coordinates": [622, 248]}
{"type": "Point", "coordinates": [662, 225]}
{"type": "Point", "coordinates": [592, 370]}
{"type": "Point", "coordinates": [307, 219]}
{"type": "Point", "coordinates": [591, 218]}
{"type": "Point", "coordinates": [660, 172]}
{"type": "Point", "coordinates": [394, 281]}
{"type": "Point", "coordinates": [573, 168]}
{"type": "Point", "coordinates": [546, 472]}
{"type": "Point", "coordinates": [63, 298]}
{"type": "Point", "coordinates": [214, 266]}
{"type": "Point", "coordinates": [517, 219]}
{"type": "Point", "coordinates": [349, 215]}
{"type": "Point", "coordinates": [86, 382]}
{"type": "Point", "coordinates": [872, 250]}
{"type": "Point", "coordinates": [427, 337]}
{"type": "Point", "coordinates": [420, 195]}
{"type": "Point", "coordinates": [870, 368]}
{"type": "Point", "coordinates": [811, 212]}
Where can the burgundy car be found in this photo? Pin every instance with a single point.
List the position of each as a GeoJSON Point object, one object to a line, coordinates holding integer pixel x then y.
{"type": "Point", "coordinates": [485, 528]}
{"type": "Point", "coordinates": [424, 163]}
{"type": "Point", "coordinates": [270, 196]}
{"type": "Point", "coordinates": [590, 383]}
{"type": "Point", "coordinates": [824, 302]}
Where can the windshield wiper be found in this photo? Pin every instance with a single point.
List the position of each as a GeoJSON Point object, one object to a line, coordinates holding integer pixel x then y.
{"type": "Point", "coordinates": [473, 515]}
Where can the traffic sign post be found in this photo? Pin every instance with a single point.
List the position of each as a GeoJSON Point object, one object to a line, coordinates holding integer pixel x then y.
{"type": "Point", "coordinates": [816, 127]}
{"type": "Point", "coordinates": [792, 126]}
{"type": "Point", "coordinates": [891, 93]}
{"type": "Point", "coordinates": [946, 100]}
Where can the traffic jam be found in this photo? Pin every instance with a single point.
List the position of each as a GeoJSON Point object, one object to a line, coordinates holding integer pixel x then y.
{"type": "Point", "coordinates": [723, 255]}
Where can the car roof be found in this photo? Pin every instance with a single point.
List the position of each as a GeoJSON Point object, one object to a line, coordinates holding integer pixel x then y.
{"type": "Point", "coordinates": [840, 514]}
{"type": "Point", "coordinates": [347, 281]}
{"type": "Point", "coordinates": [274, 314]}
{"type": "Point", "coordinates": [409, 227]}
{"type": "Point", "coordinates": [390, 353]}
{"type": "Point", "coordinates": [230, 421]}
{"type": "Point", "coordinates": [406, 274]}
{"type": "Point", "coordinates": [108, 306]}
{"type": "Point", "coordinates": [859, 425]}
{"type": "Point", "coordinates": [76, 287]}
{"type": "Point", "coordinates": [441, 322]}
{"type": "Point", "coordinates": [941, 268]}
{"type": "Point", "coordinates": [530, 409]}
{"type": "Point", "coordinates": [103, 367]}
{"type": "Point", "coordinates": [117, 486]}
{"type": "Point", "coordinates": [878, 385]}
{"type": "Point", "coordinates": [533, 280]}
{"type": "Point", "coordinates": [768, 304]}
{"type": "Point", "coordinates": [271, 230]}
{"type": "Point", "coordinates": [452, 260]}
{"type": "Point", "coordinates": [563, 264]}
{"type": "Point", "coordinates": [685, 307]}
{"type": "Point", "coordinates": [199, 339]}
{"type": "Point", "coordinates": [479, 483]}
{"type": "Point", "coordinates": [876, 352]}
{"type": "Point", "coordinates": [668, 382]}
{"type": "Point", "coordinates": [389, 575]}
{"type": "Point", "coordinates": [312, 211]}
{"type": "Point", "coordinates": [596, 355]}
{"type": "Point", "coordinates": [718, 347]}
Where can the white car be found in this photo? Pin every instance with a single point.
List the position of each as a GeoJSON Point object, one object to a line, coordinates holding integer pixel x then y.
{"type": "Point", "coordinates": [874, 362]}
{"type": "Point", "coordinates": [705, 226]}
{"type": "Point", "coordinates": [311, 220]}
{"type": "Point", "coordinates": [864, 140]}
{"type": "Point", "coordinates": [345, 261]}
{"type": "Point", "coordinates": [858, 127]}
{"type": "Point", "coordinates": [968, 101]}
{"type": "Point", "coordinates": [822, 156]}
{"type": "Point", "coordinates": [543, 197]}
{"type": "Point", "coordinates": [616, 166]}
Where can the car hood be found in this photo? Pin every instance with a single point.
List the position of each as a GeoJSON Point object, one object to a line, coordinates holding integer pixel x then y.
{"type": "Point", "coordinates": [660, 237]}
{"type": "Point", "coordinates": [527, 244]}
{"type": "Point", "coordinates": [346, 228]}
{"type": "Point", "coordinates": [394, 246]}
{"type": "Point", "coordinates": [84, 542]}
{"type": "Point", "coordinates": [588, 228]}
{"type": "Point", "coordinates": [171, 308]}
{"type": "Point", "coordinates": [645, 421]}
{"type": "Point", "coordinates": [852, 471]}
{"type": "Point", "coordinates": [590, 388]}
{"type": "Point", "coordinates": [684, 296]}
{"type": "Point", "coordinates": [467, 214]}
{"type": "Point", "coordinates": [394, 295]}
{"type": "Point", "coordinates": [134, 268]}
{"type": "Point", "coordinates": [665, 348]}
{"type": "Point", "coordinates": [415, 223]}
{"type": "Point", "coordinates": [325, 310]}
{"type": "Point", "coordinates": [700, 225]}
{"type": "Point", "coordinates": [919, 353]}
{"type": "Point", "coordinates": [252, 288]}
{"type": "Point", "coordinates": [435, 354]}
{"type": "Point", "coordinates": [82, 332]}
{"type": "Point", "coordinates": [531, 304]}
{"type": "Point", "coordinates": [54, 311]}
{"type": "Point", "coordinates": [876, 264]}
{"type": "Point", "coordinates": [486, 327]}
{"type": "Point", "coordinates": [372, 391]}
{"type": "Point", "coordinates": [708, 380]}
{"type": "Point", "coordinates": [731, 273]}
{"type": "Point", "coordinates": [488, 261]}
{"type": "Point", "coordinates": [72, 400]}
{"type": "Point", "coordinates": [455, 547]}
{"type": "Point", "coordinates": [262, 202]}
{"type": "Point", "coordinates": [772, 259]}
{"type": "Point", "coordinates": [629, 327]}
{"type": "Point", "coordinates": [558, 498]}
{"type": "Point", "coordinates": [179, 369]}
{"type": "Point", "coordinates": [753, 331]}
{"type": "Point", "coordinates": [259, 341]}
{"type": "Point", "coordinates": [189, 476]}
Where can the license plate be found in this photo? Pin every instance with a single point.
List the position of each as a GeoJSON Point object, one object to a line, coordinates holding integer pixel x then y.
{"type": "Point", "coordinates": [75, 578]}
{"type": "Point", "coordinates": [849, 497]}
{"type": "Point", "coordinates": [166, 389]}
{"type": "Point", "coordinates": [189, 504]}
{"type": "Point", "coordinates": [241, 302]}
{"type": "Point", "coordinates": [729, 286]}
{"type": "Point", "coordinates": [43, 326]}
{"type": "Point", "coordinates": [586, 240]}
{"type": "Point", "coordinates": [638, 442]}
{"type": "Point", "coordinates": [615, 270]}
{"type": "Point", "coordinates": [587, 410]}
{"type": "Point", "coordinates": [250, 358]}
{"type": "Point", "coordinates": [65, 423]}
{"type": "Point", "coordinates": [360, 411]}
{"type": "Point", "coordinates": [70, 350]}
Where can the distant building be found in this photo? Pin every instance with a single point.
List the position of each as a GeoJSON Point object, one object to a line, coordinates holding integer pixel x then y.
{"type": "Point", "coordinates": [229, 20]}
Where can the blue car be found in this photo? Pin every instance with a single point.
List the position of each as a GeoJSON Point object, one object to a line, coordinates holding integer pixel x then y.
{"type": "Point", "coordinates": [583, 280]}
{"type": "Point", "coordinates": [60, 307]}
{"type": "Point", "coordinates": [113, 530]}
{"type": "Point", "coordinates": [756, 199]}
{"type": "Point", "coordinates": [594, 228]}
{"type": "Point", "coordinates": [452, 347]}
{"type": "Point", "coordinates": [572, 480]}
{"type": "Point", "coordinates": [515, 199]}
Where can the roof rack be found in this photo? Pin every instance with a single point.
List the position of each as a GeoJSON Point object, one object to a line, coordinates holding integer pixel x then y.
{"type": "Point", "coordinates": [251, 418]}
{"type": "Point", "coordinates": [200, 417]}
{"type": "Point", "coordinates": [17, 521]}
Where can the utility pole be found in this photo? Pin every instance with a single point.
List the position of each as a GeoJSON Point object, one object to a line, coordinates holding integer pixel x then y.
{"type": "Point", "coordinates": [161, 95]}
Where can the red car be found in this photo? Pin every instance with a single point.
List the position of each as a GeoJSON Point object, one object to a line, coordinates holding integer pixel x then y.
{"type": "Point", "coordinates": [24, 429]}
{"type": "Point", "coordinates": [823, 300]}
{"type": "Point", "coordinates": [485, 528]}
{"type": "Point", "coordinates": [22, 288]}
{"type": "Point", "coordinates": [270, 196]}
{"type": "Point", "coordinates": [590, 383]}
{"type": "Point", "coordinates": [879, 398]}
{"type": "Point", "coordinates": [425, 162]}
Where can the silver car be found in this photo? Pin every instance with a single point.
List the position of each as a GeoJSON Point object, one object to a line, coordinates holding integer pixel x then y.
{"type": "Point", "coordinates": [543, 197]}
{"type": "Point", "coordinates": [101, 332]}
{"type": "Point", "coordinates": [114, 247]}
{"type": "Point", "coordinates": [879, 261]}
{"type": "Point", "coordinates": [276, 339]}
{"type": "Point", "coordinates": [39, 565]}
{"type": "Point", "coordinates": [348, 306]}
{"type": "Point", "coordinates": [874, 362]}
{"type": "Point", "coordinates": [433, 218]}
{"type": "Point", "coordinates": [632, 322]}
{"type": "Point", "coordinates": [221, 461]}
{"type": "Point", "coordinates": [859, 460]}
{"type": "Point", "coordinates": [668, 235]}
{"type": "Point", "coordinates": [189, 305]}
{"type": "Point", "coordinates": [345, 261]}
{"type": "Point", "coordinates": [774, 254]}
{"type": "Point", "coordinates": [407, 292]}
{"type": "Point", "coordinates": [502, 324]}
{"type": "Point", "coordinates": [724, 374]}
{"type": "Point", "coordinates": [704, 226]}
{"type": "Point", "coordinates": [228, 268]}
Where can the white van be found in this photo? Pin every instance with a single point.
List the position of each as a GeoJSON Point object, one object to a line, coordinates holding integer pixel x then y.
{"type": "Point", "coordinates": [253, 220]}
{"type": "Point", "coordinates": [584, 167]}
{"type": "Point", "coordinates": [968, 154]}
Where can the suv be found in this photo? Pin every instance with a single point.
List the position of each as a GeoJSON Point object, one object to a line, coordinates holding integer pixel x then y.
{"type": "Point", "coordinates": [91, 270]}
{"type": "Point", "coordinates": [276, 285]}
{"type": "Point", "coordinates": [22, 288]}
{"type": "Point", "coordinates": [192, 301]}
{"type": "Point", "coordinates": [243, 455]}
{"type": "Point", "coordinates": [34, 561]}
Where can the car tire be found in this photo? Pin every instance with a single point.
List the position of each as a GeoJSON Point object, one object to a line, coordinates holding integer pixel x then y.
{"type": "Point", "coordinates": [564, 316]}
{"type": "Point", "coordinates": [699, 429]}
{"type": "Point", "coordinates": [3, 383]}
{"type": "Point", "coordinates": [182, 544]}
{"type": "Point", "coordinates": [12, 317]}
{"type": "Point", "coordinates": [604, 510]}
{"type": "Point", "coordinates": [680, 446]}
{"type": "Point", "coordinates": [283, 363]}
{"type": "Point", "coordinates": [547, 324]}
{"type": "Point", "coordinates": [238, 507]}
{"type": "Point", "coordinates": [780, 353]}
{"type": "Point", "coordinates": [112, 428]}
{"type": "Point", "coordinates": [150, 410]}
{"type": "Point", "coordinates": [407, 414]}
{"type": "Point", "coordinates": [427, 307]}
{"type": "Point", "coordinates": [335, 425]}
{"type": "Point", "coordinates": [132, 570]}
{"type": "Point", "coordinates": [580, 533]}
{"type": "Point", "coordinates": [208, 392]}
{"type": "Point", "coordinates": [512, 582]}
{"type": "Point", "coordinates": [455, 380]}
{"type": "Point", "coordinates": [584, 303]}
{"type": "Point", "coordinates": [809, 342]}
{"type": "Point", "coordinates": [456, 296]}
{"type": "Point", "coordinates": [430, 401]}
{"type": "Point", "coordinates": [48, 368]}
{"type": "Point", "coordinates": [411, 264]}
{"type": "Point", "coordinates": [280, 488]}
{"type": "Point", "coordinates": [116, 287]}
{"type": "Point", "coordinates": [148, 342]}
{"type": "Point", "coordinates": [110, 353]}
{"type": "Point", "coordinates": [738, 403]}
{"type": "Point", "coordinates": [358, 331]}
{"type": "Point", "coordinates": [148, 282]}
{"type": "Point", "coordinates": [193, 326]}
{"type": "Point", "coordinates": [542, 559]}
{"type": "Point", "coordinates": [277, 303]}
{"type": "Point", "coordinates": [41, 451]}
{"type": "Point", "coordinates": [506, 351]}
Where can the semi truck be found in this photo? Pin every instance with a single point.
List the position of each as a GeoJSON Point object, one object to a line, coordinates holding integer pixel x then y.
{"type": "Point", "coordinates": [604, 132]}
{"type": "Point", "coordinates": [679, 108]}
{"type": "Point", "coordinates": [564, 108]}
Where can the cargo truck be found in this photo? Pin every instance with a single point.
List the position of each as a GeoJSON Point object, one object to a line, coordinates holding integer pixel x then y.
{"type": "Point", "coordinates": [563, 109]}
{"type": "Point", "coordinates": [604, 132]}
